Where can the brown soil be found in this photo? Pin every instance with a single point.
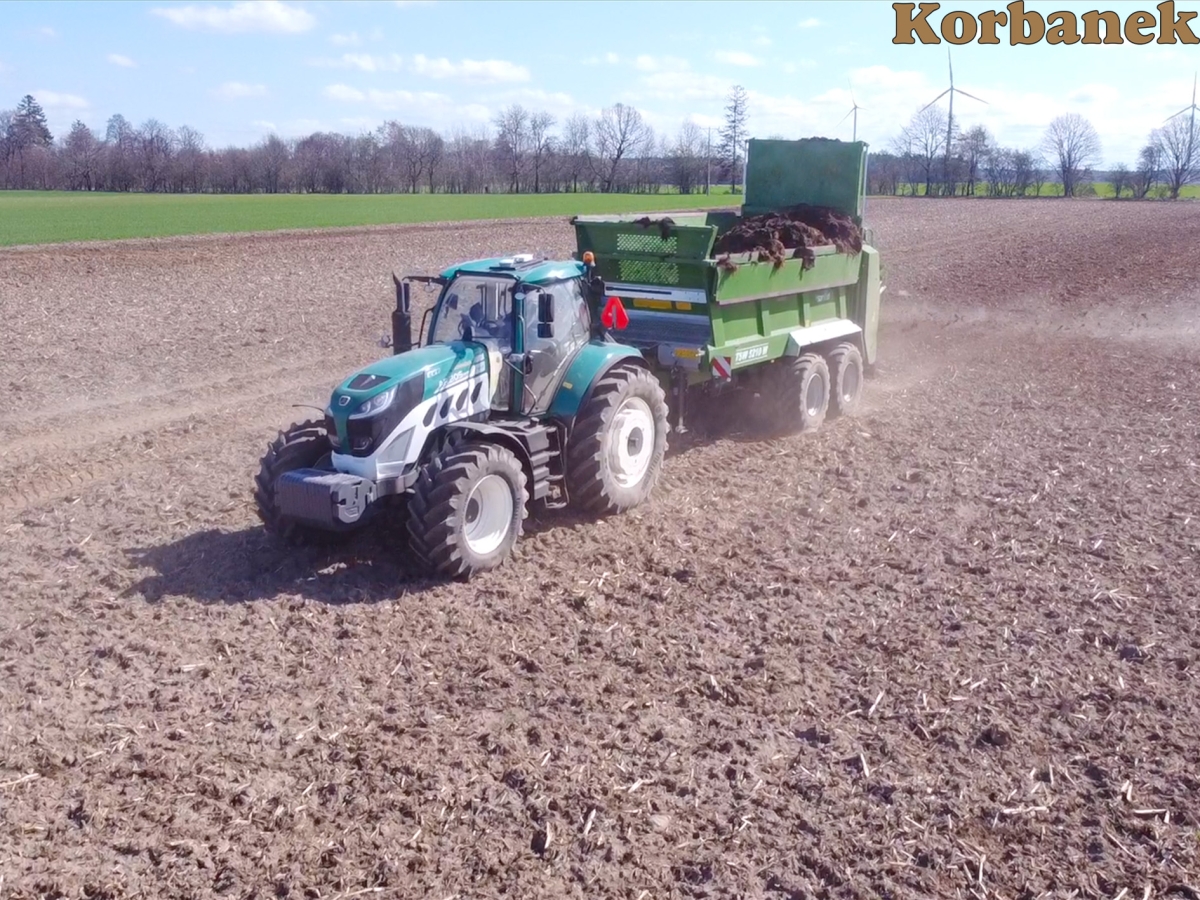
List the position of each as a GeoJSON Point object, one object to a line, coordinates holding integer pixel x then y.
{"type": "Point", "coordinates": [798, 228]}
{"type": "Point", "coordinates": [948, 647]}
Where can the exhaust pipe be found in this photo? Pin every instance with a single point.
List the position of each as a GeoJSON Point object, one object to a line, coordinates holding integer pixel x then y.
{"type": "Point", "coordinates": [402, 318]}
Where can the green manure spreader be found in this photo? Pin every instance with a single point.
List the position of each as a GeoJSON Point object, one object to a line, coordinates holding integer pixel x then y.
{"type": "Point", "coordinates": [546, 382]}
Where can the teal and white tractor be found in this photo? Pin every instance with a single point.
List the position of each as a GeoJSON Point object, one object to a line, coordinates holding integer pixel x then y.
{"type": "Point", "coordinates": [517, 395]}
{"type": "Point", "coordinates": [544, 382]}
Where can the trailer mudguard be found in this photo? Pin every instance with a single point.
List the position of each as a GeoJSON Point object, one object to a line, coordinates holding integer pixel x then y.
{"type": "Point", "coordinates": [831, 330]}
{"type": "Point", "coordinates": [591, 362]}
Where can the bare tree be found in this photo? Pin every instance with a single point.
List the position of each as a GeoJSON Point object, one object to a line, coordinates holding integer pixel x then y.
{"type": "Point", "coordinates": [1119, 178]}
{"type": "Point", "coordinates": [924, 137]}
{"type": "Point", "coordinates": [271, 158]}
{"type": "Point", "coordinates": [1074, 146]}
{"type": "Point", "coordinates": [620, 132]}
{"type": "Point", "coordinates": [1148, 168]}
{"type": "Point", "coordinates": [513, 142]}
{"type": "Point", "coordinates": [733, 134]}
{"type": "Point", "coordinates": [577, 147]}
{"type": "Point", "coordinates": [1178, 144]}
{"type": "Point", "coordinates": [686, 156]}
{"type": "Point", "coordinates": [81, 152]}
{"type": "Point", "coordinates": [540, 144]}
{"type": "Point", "coordinates": [189, 158]}
{"type": "Point", "coordinates": [973, 146]}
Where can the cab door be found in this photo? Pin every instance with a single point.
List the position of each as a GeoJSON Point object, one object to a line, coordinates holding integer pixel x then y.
{"type": "Point", "coordinates": [547, 358]}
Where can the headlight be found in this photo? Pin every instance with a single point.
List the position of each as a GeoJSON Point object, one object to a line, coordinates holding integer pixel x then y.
{"type": "Point", "coordinates": [375, 405]}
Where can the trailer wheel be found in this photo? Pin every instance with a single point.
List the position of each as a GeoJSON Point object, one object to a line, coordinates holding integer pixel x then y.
{"type": "Point", "coordinates": [301, 446]}
{"type": "Point", "coordinates": [846, 376]}
{"type": "Point", "coordinates": [799, 395]}
{"type": "Point", "coordinates": [467, 510]}
{"type": "Point", "coordinates": [617, 446]}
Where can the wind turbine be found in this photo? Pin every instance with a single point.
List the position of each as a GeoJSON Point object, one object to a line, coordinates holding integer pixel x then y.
{"type": "Point", "coordinates": [952, 90]}
{"type": "Point", "coordinates": [853, 112]}
{"type": "Point", "coordinates": [1191, 123]}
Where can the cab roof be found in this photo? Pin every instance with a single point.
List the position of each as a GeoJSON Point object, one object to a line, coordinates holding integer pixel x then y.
{"type": "Point", "coordinates": [527, 269]}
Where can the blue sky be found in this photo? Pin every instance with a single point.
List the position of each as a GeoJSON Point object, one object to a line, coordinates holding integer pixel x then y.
{"type": "Point", "coordinates": [239, 70]}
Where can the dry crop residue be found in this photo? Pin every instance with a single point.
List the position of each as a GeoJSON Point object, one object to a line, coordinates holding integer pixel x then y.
{"type": "Point", "coordinates": [946, 647]}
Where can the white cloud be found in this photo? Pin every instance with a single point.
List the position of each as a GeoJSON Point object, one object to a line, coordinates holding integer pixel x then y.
{"type": "Point", "coordinates": [416, 107]}
{"type": "Point", "coordinates": [345, 40]}
{"type": "Point", "coordinates": [364, 62]}
{"type": "Point", "coordinates": [737, 58]}
{"type": "Point", "coordinates": [762, 41]}
{"type": "Point", "coordinates": [384, 100]}
{"type": "Point", "coordinates": [486, 71]}
{"type": "Point", "coordinates": [47, 31]}
{"type": "Point", "coordinates": [791, 68]}
{"type": "Point", "coordinates": [244, 16]}
{"type": "Point", "coordinates": [559, 104]}
{"type": "Point", "coordinates": [406, 3]}
{"type": "Point", "coordinates": [706, 121]}
{"type": "Point", "coordinates": [267, 126]}
{"type": "Point", "coordinates": [609, 58]}
{"type": "Point", "coordinates": [236, 90]}
{"type": "Point", "coordinates": [808, 23]}
{"type": "Point", "coordinates": [124, 62]}
{"type": "Point", "coordinates": [647, 63]}
{"type": "Point", "coordinates": [360, 123]}
{"type": "Point", "coordinates": [55, 100]}
{"type": "Point", "coordinates": [344, 93]}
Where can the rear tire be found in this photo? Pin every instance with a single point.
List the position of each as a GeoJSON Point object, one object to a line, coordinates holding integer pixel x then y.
{"type": "Point", "coordinates": [846, 377]}
{"type": "Point", "coordinates": [799, 394]}
{"type": "Point", "coordinates": [617, 445]}
{"type": "Point", "coordinates": [467, 510]}
{"type": "Point", "coordinates": [301, 446]}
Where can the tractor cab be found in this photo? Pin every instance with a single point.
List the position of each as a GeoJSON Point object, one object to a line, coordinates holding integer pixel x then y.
{"type": "Point", "coordinates": [531, 317]}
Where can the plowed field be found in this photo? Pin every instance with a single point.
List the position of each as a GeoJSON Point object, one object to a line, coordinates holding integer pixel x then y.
{"type": "Point", "coordinates": [948, 647]}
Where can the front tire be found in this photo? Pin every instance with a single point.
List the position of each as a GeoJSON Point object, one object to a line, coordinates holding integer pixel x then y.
{"type": "Point", "coordinates": [301, 446]}
{"type": "Point", "coordinates": [618, 442]}
{"type": "Point", "coordinates": [467, 510]}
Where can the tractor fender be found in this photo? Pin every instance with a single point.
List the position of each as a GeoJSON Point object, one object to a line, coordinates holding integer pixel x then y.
{"type": "Point", "coordinates": [529, 441]}
{"type": "Point", "coordinates": [591, 363]}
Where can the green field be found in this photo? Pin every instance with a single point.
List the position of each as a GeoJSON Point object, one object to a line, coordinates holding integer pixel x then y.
{"type": "Point", "coordinates": [41, 217]}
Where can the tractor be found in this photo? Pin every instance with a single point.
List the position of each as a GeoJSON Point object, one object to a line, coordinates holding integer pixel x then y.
{"type": "Point", "coordinates": [518, 394]}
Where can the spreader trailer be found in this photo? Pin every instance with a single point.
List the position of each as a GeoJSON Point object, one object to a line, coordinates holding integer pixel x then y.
{"type": "Point", "coordinates": [545, 383]}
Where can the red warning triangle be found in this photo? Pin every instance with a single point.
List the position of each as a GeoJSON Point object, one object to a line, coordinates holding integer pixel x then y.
{"type": "Point", "coordinates": [614, 315]}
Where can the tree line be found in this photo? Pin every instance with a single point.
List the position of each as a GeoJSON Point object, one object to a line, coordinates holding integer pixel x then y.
{"type": "Point", "coordinates": [526, 151]}
{"type": "Point", "coordinates": [616, 151]}
{"type": "Point", "coordinates": [932, 156]}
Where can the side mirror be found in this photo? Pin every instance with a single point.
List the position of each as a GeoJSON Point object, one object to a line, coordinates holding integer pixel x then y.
{"type": "Point", "coordinates": [545, 315]}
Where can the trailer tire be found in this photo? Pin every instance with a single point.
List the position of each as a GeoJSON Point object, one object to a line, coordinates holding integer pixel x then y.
{"type": "Point", "coordinates": [467, 510]}
{"type": "Point", "coordinates": [846, 379]}
{"type": "Point", "coordinates": [300, 446]}
{"type": "Point", "coordinates": [612, 465]}
{"type": "Point", "coordinates": [798, 397]}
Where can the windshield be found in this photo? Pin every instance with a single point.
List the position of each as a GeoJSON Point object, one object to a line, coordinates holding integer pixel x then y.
{"type": "Point", "coordinates": [478, 303]}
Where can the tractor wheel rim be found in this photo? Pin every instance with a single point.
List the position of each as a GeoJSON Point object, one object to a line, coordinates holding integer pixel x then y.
{"type": "Point", "coordinates": [849, 383]}
{"type": "Point", "coordinates": [632, 443]}
{"type": "Point", "coordinates": [487, 516]}
{"type": "Point", "coordinates": [814, 396]}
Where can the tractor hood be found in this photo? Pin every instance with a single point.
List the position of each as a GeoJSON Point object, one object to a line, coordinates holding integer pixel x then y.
{"type": "Point", "coordinates": [391, 387]}
{"type": "Point", "coordinates": [433, 365]}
